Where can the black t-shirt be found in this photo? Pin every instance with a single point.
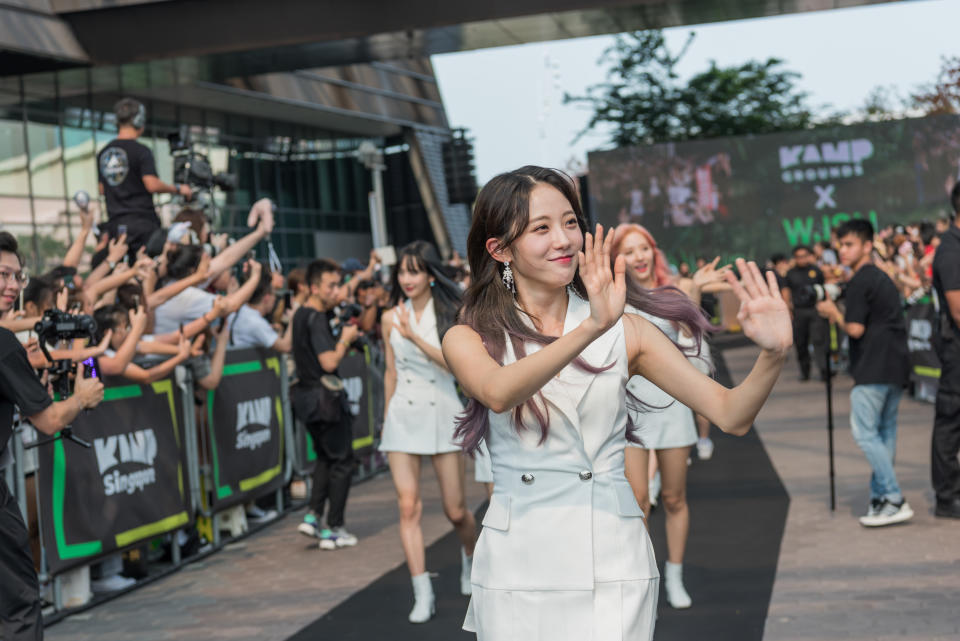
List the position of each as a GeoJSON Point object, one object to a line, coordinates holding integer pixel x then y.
{"type": "Point", "coordinates": [18, 386]}
{"type": "Point", "coordinates": [311, 337]}
{"type": "Point", "coordinates": [799, 281]}
{"type": "Point", "coordinates": [121, 166]}
{"type": "Point", "coordinates": [946, 271]}
{"type": "Point", "coordinates": [880, 355]}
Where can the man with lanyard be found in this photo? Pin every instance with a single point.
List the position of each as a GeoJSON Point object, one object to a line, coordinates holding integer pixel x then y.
{"type": "Point", "coordinates": [20, 617]}
{"type": "Point", "coordinates": [808, 327]}
{"type": "Point", "coordinates": [128, 179]}
{"type": "Point", "coordinates": [944, 467]}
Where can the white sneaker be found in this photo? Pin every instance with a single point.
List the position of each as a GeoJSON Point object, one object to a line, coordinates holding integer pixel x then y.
{"type": "Point", "coordinates": [112, 583]}
{"type": "Point", "coordinates": [888, 514]}
{"type": "Point", "coordinates": [424, 603]}
{"type": "Point", "coordinates": [342, 538]}
{"type": "Point", "coordinates": [654, 488]}
{"type": "Point", "coordinates": [673, 584]}
{"type": "Point", "coordinates": [466, 569]}
{"type": "Point", "coordinates": [704, 448]}
{"type": "Point", "coordinates": [256, 514]}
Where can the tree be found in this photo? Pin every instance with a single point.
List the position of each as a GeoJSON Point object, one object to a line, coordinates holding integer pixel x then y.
{"type": "Point", "coordinates": [943, 95]}
{"type": "Point", "coordinates": [644, 101]}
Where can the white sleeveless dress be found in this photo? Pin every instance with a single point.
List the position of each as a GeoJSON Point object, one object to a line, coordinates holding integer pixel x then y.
{"type": "Point", "coordinates": [660, 429]}
{"type": "Point", "coordinates": [564, 554]}
{"type": "Point", "coordinates": [420, 417]}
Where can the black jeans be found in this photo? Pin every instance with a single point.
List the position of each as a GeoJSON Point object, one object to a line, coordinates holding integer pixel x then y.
{"type": "Point", "coordinates": [809, 327]}
{"type": "Point", "coordinates": [944, 468]}
{"type": "Point", "coordinates": [20, 617]}
{"type": "Point", "coordinates": [333, 473]}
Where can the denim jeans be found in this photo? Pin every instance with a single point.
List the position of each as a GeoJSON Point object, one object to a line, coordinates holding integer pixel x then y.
{"type": "Point", "coordinates": [873, 419]}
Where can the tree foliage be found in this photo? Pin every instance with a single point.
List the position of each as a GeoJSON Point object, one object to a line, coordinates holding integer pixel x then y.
{"type": "Point", "coordinates": [943, 95]}
{"type": "Point", "coordinates": [644, 100]}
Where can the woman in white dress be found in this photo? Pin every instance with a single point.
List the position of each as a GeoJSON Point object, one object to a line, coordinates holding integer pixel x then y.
{"type": "Point", "coordinates": [421, 405]}
{"type": "Point", "coordinates": [545, 356]}
{"type": "Point", "coordinates": [667, 426]}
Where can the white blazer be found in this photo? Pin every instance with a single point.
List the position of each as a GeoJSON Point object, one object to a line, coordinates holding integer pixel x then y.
{"type": "Point", "coordinates": [422, 412]}
{"type": "Point", "coordinates": [562, 515]}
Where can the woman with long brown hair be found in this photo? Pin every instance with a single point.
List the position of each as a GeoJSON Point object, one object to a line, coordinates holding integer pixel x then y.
{"type": "Point", "coordinates": [544, 352]}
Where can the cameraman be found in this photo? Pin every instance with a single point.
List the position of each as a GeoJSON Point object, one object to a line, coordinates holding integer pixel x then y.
{"type": "Point", "coordinates": [879, 365]}
{"type": "Point", "coordinates": [317, 353]}
{"type": "Point", "coordinates": [808, 327]}
{"type": "Point", "coordinates": [19, 590]}
{"type": "Point", "coordinates": [128, 179]}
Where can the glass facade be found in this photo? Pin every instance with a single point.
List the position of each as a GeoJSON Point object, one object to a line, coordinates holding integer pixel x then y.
{"type": "Point", "coordinates": [52, 126]}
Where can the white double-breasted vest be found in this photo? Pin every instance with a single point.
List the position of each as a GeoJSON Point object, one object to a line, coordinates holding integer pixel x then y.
{"type": "Point", "coordinates": [422, 412]}
{"type": "Point", "coordinates": [562, 515]}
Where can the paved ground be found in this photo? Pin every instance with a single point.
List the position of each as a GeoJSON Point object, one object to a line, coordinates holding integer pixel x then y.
{"type": "Point", "coordinates": [835, 580]}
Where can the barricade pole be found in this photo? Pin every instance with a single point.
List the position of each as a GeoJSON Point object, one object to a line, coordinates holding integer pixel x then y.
{"type": "Point", "coordinates": [288, 431]}
{"type": "Point", "coordinates": [184, 378]}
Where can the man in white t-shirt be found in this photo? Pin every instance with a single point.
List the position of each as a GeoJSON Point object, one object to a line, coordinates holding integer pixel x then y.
{"type": "Point", "coordinates": [248, 327]}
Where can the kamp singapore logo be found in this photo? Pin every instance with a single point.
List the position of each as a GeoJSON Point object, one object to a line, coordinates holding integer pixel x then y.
{"type": "Point", "coordinates": [126, 461]}
{"type": "Point", "coordinates": [255, 412]}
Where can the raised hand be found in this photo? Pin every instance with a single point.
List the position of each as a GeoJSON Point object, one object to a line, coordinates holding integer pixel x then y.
{"type": "Point", "coordinates": [401, 321]}
{"type": "Point", "coordinates": [709, 274]}
{"type": "Point", "coordinates": [117, 248]}
{"type": "Point", "coordinates": [763, 314]}
{"type": "Point", "coordinates": [196, 348]}
{"type": "Point", "coordinates": [606, 288]}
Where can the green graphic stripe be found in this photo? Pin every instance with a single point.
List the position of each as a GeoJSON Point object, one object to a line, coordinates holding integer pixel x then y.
{"type": "Point", "coordinates": [923, 370]}
{"type": "Point", "coordinates": [65, 551]}
{"type": "Point", "coordinates": [166, 387]}
{"type": "Point", "coordinates": [274, 363]}
{"type": "Point", "coordinates": [362, 442]}
{"type": "Point", "coordinates": [120, 393]}
{"type": "Point", "coordinates": [151, 529]}
{"type": "Point", "coordinates": [260, 479]}
{"type": "Point", "coordinates": [225, 491]}
{"type": "Point", "coordinates": [242, 368]}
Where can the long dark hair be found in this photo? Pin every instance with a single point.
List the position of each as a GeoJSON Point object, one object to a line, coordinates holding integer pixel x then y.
{"type": "Point", "coordinates": [422, 256]}
{"type": "Point", "coordinates": [502, 211]}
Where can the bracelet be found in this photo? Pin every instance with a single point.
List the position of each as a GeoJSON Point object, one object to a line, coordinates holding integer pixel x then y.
{"type": "Point", "coordinates": [344, 343]}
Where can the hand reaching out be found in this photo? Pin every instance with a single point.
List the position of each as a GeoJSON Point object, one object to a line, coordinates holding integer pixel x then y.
{"type": "Point", "coordinates": [763, 314]}
{"type": "Point", "coordinates": [709, 274]}
{"type": "Point", "coordinates": [117, 248]}
{"type": "Point", "coordinates": [606, 288]}
{"type": "Point", "coordinates": [401, 321]}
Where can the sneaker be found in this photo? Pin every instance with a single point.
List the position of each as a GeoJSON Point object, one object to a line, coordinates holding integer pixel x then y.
{"type": "Point", "coordinates": [704, 449]}
{"type": "Point", "coordinates": [310, 526]}
{"type": "Point", "coordinates": [257, 515]}
{"type": "Point", "coordinates": [338, 537]}
{"type": "Point", "coordinates": [112, 583]}
{"type": "Point", "coordinates": [875, 506]}
{"type": "Point", "coordinates": [888, 514]}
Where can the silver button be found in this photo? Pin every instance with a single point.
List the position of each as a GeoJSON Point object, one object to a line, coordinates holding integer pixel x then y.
{"type": "Point", "coordinates": [586, 475]}
{"type": "Point", "coordinates": [527, 479]}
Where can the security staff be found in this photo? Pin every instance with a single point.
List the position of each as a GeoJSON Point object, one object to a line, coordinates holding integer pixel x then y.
{"type": "Point", "coordinates": [20, 617]}
{"type": "Point", "coordinates": [945, 469]}
{"type": "Point", "coordinates": [808, 327]}
{"type": "Point", "coordinates": [128, 178]}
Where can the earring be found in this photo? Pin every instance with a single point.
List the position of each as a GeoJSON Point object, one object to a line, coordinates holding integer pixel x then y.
{"type": "Point", "coordinates": [507, 277]}
{"type": "Point", "coordinates": [432, 283]}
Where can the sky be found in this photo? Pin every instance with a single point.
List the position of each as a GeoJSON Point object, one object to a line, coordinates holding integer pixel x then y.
{"type": "Point", "coordinates": [511, 98]}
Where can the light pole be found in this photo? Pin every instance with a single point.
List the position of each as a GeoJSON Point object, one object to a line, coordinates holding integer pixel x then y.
{"type": "Point", "coordinates": [372, 158]}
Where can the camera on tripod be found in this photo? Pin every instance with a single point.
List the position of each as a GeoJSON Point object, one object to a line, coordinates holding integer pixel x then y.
{"type": "Point", "coordinates": [191, 167]}
{"type": "Point", "coordinates": [61, 326]}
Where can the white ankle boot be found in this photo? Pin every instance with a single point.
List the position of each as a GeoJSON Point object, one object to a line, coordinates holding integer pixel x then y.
{"type": "Point", "coordinates": [466, 567]}
{"type": "Point", "coordinates": [424, 604]}
{"type": "Point", "coordinates": [673, 583]}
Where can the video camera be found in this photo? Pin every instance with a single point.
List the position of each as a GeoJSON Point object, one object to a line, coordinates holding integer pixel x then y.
{"type": "Point", "coordinates": [191, 167]}
{"type": "Point", "coordinates": [345, 315]}
{"type": "Point", "coordinates": [811, 294]}
{"type": "Point", "coordinates": [61, 326]}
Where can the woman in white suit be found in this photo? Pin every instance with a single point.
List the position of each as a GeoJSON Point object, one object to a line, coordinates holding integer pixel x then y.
{"type": "Point", "coordinates": [545, 351]}
{"type": "Point", "coordinates": [420, 411]}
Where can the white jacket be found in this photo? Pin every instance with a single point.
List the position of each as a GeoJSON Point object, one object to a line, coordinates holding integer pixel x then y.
{"type": "Point", "coordinates": [562, 515]}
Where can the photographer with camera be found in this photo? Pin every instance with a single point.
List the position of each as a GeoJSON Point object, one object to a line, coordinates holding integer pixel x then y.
{"type": "Point", "coordinates": [797, 289]}
{"type": "Point", "coordinates": [879, 365]}
{"type": "Point", "coordinates": [128, 179]}
{"type": "Point", "coordinates": [20, 616]}
{"type": "Point", "coordinates": [319, 401]}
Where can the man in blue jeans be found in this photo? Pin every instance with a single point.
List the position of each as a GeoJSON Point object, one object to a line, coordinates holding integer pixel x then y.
{"type": "Point", "coordinates": [879, 364]}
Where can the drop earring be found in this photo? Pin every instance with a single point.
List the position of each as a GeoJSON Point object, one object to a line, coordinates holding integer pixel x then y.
{"type": "Point", "coordinates": [507, 277]}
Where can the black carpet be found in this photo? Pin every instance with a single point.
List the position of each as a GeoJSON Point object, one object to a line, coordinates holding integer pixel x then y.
{"type": "Point", "coordinates": [738, 509]}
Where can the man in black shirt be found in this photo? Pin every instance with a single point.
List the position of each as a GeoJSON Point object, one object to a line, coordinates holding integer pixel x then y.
{"type": "Point", "coordinates": [808, 326]}
{"type": "Point", "coordinates": [320, 406]}
{"type": "Point", "coordinates": [879, 365]}
{"type": "Point", "coordinates": [19, 592]}
{"type": "Point", "coordinates": [944, 467]}
{"type": "Point", "coordinates": [128, 179]}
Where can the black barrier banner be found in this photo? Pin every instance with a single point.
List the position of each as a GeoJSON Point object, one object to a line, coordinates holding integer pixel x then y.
{"type": "Point", "coordinates": [245, 419]}
{"type": "Point", "coordinates": [127, 488]}
{"type": "Point", "coordinates": [355, 373]}
{"type": "Point", "coordinates": [924, 363]}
